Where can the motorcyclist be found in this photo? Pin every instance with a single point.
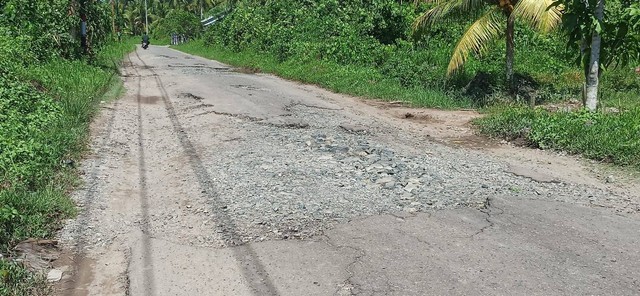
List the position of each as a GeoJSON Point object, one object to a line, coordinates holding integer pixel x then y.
{"type": "Point", "coordinates": [145, 40]}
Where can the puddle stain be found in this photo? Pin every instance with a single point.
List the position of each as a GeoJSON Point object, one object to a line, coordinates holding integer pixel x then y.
{"type": "Point", "coordinates": [78, 275]}
{"type": "Point", "coordinates": [148, 100]}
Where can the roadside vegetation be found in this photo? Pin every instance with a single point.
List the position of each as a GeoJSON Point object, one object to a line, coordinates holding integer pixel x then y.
{"type": "Point", "coordinates": [50, 88]}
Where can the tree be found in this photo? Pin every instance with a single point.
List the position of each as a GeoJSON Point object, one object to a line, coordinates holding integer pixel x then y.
{"type": "Point", "coordinates": [490, 25]}
{"type": "Point", "coordinates": [591, 96]}
{"type": "Point", "coordinates": [198, 6]}
{"type": "Point", "coordinates": [179, 22]}
{"type": "Point", "coordinates": [605, 34]}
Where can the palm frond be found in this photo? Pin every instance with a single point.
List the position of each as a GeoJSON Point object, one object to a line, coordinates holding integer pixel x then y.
{"type": "Point", "coordinates": [443, 8]}
{"type": "Point", "coordinates": [477, 38]}
{"type": "Point", "coordinates": [538, 14]}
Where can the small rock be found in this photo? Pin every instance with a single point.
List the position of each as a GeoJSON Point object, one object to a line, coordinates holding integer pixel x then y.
{"type": "Point", "coordinates": [54, 275]}
{"type": "Point", "coordinates": [612, 110]}
{"type": "Point", "coordinates": [353, 128]}
{"type": "Point", "coordinates": [411, 187]}
{"type": "Point", "coordinates": [389, 185]}
{"type": "Point", "coordinates": [414, 181]}
{"type": "Point", "coordinates": [610, 179]}
{"type": "Point", "coordinates": [385, 180]}
{"type": "Point", "coordinates": [407, 196]}
{"type": "Point", "coordinates": [363, 153]}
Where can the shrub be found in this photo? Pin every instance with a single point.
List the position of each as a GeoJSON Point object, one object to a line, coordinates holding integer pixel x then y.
{"type": "Point", "coordinates": [612, 137]}
{"type": "Point", "coordinates": [178, 22]}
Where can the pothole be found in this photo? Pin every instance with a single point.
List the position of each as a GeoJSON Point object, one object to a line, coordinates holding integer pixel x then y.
{"type": "Point", "coordinates": [190, 96]}
{"type": "Point", "coordinates": [247, 87]}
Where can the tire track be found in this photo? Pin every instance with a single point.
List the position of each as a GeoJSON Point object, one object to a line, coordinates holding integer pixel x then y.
{"type": "Point", "coordinates": [149, 280]}
{"type": "Point", "coordinates": [252, 268]}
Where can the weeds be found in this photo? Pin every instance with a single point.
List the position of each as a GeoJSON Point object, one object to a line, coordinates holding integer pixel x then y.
{"type": "Point", "coordinates": [45, 111]}
{"type": "Point", "coordinates": [609, 137]}
{"type": "Point", "coordinates": [17, 281]}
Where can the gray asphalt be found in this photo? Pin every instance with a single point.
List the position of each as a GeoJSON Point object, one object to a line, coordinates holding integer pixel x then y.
{"type": "Point", "coordinates": [208, 181]}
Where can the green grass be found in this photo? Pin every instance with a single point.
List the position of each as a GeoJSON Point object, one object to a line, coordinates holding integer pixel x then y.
{"type": "Point", "coordinates": [348, 79]}
{"type": "Point", "coordinates": [17, 281]}
{"type": "Point", "coordinates": [46, 110]}
{"type": "Point", "coordinates": [608, 137]}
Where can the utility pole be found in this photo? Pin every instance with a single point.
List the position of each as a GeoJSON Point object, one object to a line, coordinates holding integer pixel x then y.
{"type": "Point", "coordinates": [83, 27]}
{"type": "Point", "coordinates": [113, 17]}
{"type": "Point", "coordinates": [146, 18]}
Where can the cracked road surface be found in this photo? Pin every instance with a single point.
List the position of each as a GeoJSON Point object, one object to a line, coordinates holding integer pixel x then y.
{"type": "Point", "coordinates": [207, 180]}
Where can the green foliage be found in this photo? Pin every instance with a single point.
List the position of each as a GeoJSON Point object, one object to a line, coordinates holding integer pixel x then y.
{"type": "Point", "coordinates": [611, 137]}
{"type": "Point", "coordinates": [26, 118]}
{"type": "Point", "coordinates": [26, 214]}
{"type": "Point", "coordinates": [179, 22]}
{"type": "Point", "coordinates": [16, 280]}
{"type": "Point", "coordinates": [619, 31]}
{"type": "Point", "coordinates": [47, 98]}
{"type": "Point", "coordinates": [45, 110]}
{"type": "Point", "coordinates": [349, 32]}
{"type": "Point", "coordinates": [51, 28]}
{"type": "Point", "coordinates": [14, 51]}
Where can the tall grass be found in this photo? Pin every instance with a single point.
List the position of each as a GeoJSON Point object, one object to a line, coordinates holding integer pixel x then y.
{"type": "Point", "coordinates": [49, 107]}
{"type": "Point", "coordinates": [609, 137]}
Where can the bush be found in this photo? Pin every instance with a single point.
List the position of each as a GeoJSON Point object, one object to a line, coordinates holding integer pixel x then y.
{"type": "Point", "coordinates": [47, 96]}
{"type": "Point", "coordinates": [52, 27]}
{"type": "Point", "coordinates": [347, 32]}
{"type": "Point", "coordinates": [611, 137]}
{"type": "Point", "coordinates": [27, 117]}
{"type": "Point", "coordinates": [15, 280]}
{"type": "Point", "coordinates": [178, 22]}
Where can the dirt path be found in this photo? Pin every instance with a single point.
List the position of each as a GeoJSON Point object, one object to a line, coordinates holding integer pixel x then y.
{"type": "Point", "coordinates": [209, 181]}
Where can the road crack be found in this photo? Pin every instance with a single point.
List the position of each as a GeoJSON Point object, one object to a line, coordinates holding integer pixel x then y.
{"type": "Point", "coordinates": [488, 210]}
{"type": "Point", "coordinates": [294, 104]}
{"type": "Point", "coordinates": [348, 287]}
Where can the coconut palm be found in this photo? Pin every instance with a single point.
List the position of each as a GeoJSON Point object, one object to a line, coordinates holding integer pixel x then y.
{"type": "Point", "coordinates": [199, 6]}
{"type": "Point", "coordinates": [493, 16]}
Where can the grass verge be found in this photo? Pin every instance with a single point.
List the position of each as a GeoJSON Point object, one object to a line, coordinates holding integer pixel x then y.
{"type": "Point", "coordinates": [608, 137]}
{"type": "Point", "coordinates": [45, 112]}
{"type": "Point", "coordinates": [347, 79]}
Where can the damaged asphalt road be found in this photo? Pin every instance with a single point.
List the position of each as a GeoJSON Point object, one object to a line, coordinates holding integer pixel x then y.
{"type": "Point", "coordinates": [209, 181]}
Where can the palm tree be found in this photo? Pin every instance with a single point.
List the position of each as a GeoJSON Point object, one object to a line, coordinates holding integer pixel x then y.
{"type": "Point", "coordinates": [489, 26]}
{"type": "Point", "coordinates": [198, 6]}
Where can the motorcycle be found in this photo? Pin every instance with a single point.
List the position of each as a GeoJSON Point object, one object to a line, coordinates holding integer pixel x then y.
{"type": "Point", "coordinates": [145, 45]}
